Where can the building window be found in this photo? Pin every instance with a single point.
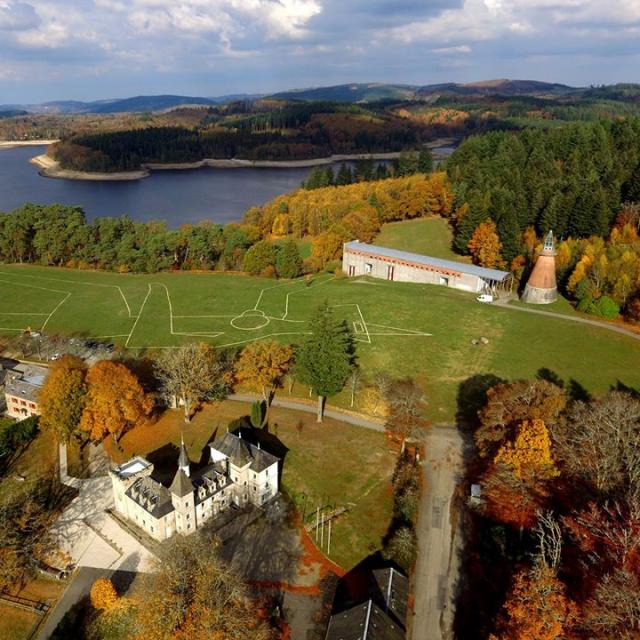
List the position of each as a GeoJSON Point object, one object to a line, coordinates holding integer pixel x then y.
{"type": "Point", "coordinates": [151, 529]}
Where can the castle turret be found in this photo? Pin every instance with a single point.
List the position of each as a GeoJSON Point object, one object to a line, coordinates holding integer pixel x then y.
{"type": "Point", "coordinates": [183, 460]}
{"type": "Point", "coordinates": [182, 497]}
{"type": "Point", "coordinates": [541, 287]}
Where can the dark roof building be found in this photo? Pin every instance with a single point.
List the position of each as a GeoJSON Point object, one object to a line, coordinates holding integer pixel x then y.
{"type": "Point", "coordinates": [365, 621]}
{"type": "Point", "coordinates": [242, 453]}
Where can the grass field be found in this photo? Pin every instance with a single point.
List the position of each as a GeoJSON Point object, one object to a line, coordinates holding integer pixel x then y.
{"type": "Point", "coordinates": [403, 329]}
{"type": "Point", "coordinates": [361, 466]}
{"type": "Point", "coordinates": [428, 236]}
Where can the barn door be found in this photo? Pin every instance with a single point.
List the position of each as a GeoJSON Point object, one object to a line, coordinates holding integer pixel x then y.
{"type": "Point", "coordinates": [390, 271]}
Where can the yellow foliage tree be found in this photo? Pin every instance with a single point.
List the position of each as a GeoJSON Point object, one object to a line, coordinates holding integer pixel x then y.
{"type": "Point", "coordinates": [485, 245]}
{"type": "Point", "coordinates": [62, 398]}
{"type": "Point", "coordinates": [115, 401]}
{"type": "Point", "coordinates": [103, 594]}
{"type": "Point", "coordinates": [529, 455]}
{"type": "Point", "coordinates": [263, 365]}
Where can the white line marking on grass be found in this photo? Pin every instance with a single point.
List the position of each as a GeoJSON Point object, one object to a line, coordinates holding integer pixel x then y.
{"type": "Point", "coordinates": [225, 316]}
{"type": "Point", "coordinates": [76, 282]}
{"type": "Point", "coordinates": [21, 313]}
{"type": "Point", "coordinates": [121, 335]}
{"type": "Point", "coordinates": [409, 332]}
{"type": "Point", "coordinates": [8, 329]}
{"type": "Point", "coordinates": [46, 322]}
{"type": "Point", "coordinates": [139, 316]}
{"type": "Point", "coordinates": [33, 286]}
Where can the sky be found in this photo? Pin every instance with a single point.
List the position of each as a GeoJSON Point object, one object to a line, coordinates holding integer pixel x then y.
{"type": "Point", "coordinates": [96, 49]}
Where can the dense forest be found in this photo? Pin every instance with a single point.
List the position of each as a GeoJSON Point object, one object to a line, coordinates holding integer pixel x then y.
{"type": "Point", "coordinates": [571, 179]}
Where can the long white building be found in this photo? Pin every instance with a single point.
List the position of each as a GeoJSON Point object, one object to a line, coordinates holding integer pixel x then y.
{"type": "Point", "coordinates": [360, 259]}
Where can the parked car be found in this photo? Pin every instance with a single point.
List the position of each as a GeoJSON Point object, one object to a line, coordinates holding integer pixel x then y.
{"type": "Point", "coordinates": [485, 297]}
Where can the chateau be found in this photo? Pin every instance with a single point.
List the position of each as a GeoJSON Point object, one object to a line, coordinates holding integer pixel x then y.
{"type": "Point", "coordinates": [239, 473]}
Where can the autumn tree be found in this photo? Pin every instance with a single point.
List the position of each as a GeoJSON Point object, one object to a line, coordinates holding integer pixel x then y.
{"type": "Point", "coordinates": [192, 593]}
{"type": "Point", "coordinates": [485, 245]}
{"type": "Point", "coordinates": [194, 373]}
{"type": "Point", "coordinates": [62, 398]}
{"type": "Point", "coordinates": [288, 260]}
{"type": "Point", "coordinates": [115, 401]}
{"type": "Point", "coordinates": [407, 404]}
{"type": "Point", "coordinates": [327, 356]}
{"type": "Point", "coordinates": [537, 607]}
{"type": "Point", "coordinates": [515, 484]}
{"type": "Point", "coordinates": [103, 594]}
{"type": "Point", "coordinates": [263, 365]}
{"type": "Point", "coordinates": [509, 403]}
{"type": "Point", "coordinates": [326, 247]}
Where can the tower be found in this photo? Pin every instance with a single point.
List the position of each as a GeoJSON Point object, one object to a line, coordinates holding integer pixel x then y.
{"type": "Point", "coordinates": [541, 287]}
{"type": "Point", "coordinates": [182, 495]}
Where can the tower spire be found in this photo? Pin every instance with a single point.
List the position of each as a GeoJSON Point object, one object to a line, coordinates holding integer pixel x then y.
{"type": "Point", "coordinates": [183, 460]}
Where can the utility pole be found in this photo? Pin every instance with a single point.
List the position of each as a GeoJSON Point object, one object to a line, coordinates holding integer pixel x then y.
{"type": "Point", "coordinates": [317, 521]}
{"type": "Point", "coordinates": [329, 540]}
{"type": "Point", "coordinates": [322, 532]}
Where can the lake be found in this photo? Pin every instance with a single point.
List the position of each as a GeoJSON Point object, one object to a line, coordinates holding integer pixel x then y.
{"type": "Point", "coordinates": [185, 196]}
{"type": "Point", "coordinates": [177, 197]}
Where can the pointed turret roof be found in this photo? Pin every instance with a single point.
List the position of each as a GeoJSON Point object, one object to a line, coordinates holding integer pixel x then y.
{"type": "Point", "coordinates": [183, 460]}
{"type": "Point", "coordinates": [181, 485]}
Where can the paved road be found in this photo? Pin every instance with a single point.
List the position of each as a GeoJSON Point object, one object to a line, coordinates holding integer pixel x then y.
{"type": "Point", "coordinates": [437, 566]}
{"type": "Point", "coordinates": [301, 405]}
{"type": "Point", "coordinates": [504, 304]}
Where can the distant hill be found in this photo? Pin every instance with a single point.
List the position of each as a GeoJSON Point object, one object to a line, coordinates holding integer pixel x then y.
{"type": "Point", "coordinates": [358, 92]}
{"type": "Point", "coordinates": [498, 87]}
{"type": "Point", "coordinates": [12, 113]}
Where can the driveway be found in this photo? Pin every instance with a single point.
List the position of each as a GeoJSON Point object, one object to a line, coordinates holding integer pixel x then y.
{"type": "Point", "coordinates": [439, 541]}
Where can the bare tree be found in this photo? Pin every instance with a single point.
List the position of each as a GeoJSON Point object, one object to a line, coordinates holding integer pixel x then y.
{"type": "Point", "coordinates": [354, 383]}
{"type": "Point", "coordinates": [600, 443]}
{"type": "Point", "coordinates": [407, 404]}
{"type": "Point", "coordinates": [193, 373]}
{"type": "Point", "coordinates": [549, 539]}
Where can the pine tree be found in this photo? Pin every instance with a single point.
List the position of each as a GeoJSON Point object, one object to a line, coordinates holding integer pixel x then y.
{"type": "Point", "coordinates": [327, 356]}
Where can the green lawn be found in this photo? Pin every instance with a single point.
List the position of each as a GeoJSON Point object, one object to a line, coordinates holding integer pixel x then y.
{"type": "Point", "coordinates": [427, 236]}
{"type": "Point", "coordinates": [359, 461]}
{"type": "Point", "coordinates": [405, 329]}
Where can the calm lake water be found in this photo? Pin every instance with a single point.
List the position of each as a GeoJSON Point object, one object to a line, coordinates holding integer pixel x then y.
{"type": "Point", "coordinates": [178, 197]}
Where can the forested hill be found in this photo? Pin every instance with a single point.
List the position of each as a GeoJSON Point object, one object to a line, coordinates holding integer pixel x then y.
{"type": "Point", "coordinates": [571, 179]}
{"type": "Point", "coordinates": [266, 130]}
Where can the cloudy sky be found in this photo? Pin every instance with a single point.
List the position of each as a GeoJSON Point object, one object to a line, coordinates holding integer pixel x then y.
{"type": "Point", "coordinates": [92, 49]}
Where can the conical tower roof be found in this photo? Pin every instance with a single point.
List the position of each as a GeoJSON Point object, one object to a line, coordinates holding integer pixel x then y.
{"type": "Point", "coordinates": [183, 460]}
{"type": "Point", "coordinates": [542, 287]}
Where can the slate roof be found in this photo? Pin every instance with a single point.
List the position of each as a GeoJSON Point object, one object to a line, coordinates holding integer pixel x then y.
{"type": "Point", "coordinates": [153, 497]}
{"type": "Point", "coordinates": [208, 482]}
{"type": "Point", "coordinates": [450, 265]}
{"type": "Point", "coordinates": [26, 384]}
{"type": "Point", "coordinates": [181, 485]}
{"type": "Point", "coordinates": [393, 589]}
{"type": "Point", "coordinates": [241, 452]}
{"type": "Point", "coordinates": [365, 621]}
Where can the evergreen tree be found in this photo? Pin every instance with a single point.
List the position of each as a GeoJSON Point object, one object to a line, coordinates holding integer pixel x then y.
{"type": "Point", "coordinates": [345, 176]}
{"type": "Point", "coordinates": [425, 161]}
{"type": "Point", "coordinates": [327, 356]}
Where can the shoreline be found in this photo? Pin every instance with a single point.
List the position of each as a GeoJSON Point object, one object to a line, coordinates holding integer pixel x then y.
{"type": "Point", "coordinates": [50, 168]}
{"type": "Point", "coordinates": [12, 144]}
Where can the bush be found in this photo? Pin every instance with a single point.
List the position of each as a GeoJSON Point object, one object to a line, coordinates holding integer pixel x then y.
{"type": "Point", "coordinates": [259, 257]}
{"type": "Point", "coordinates": [406, 504]}
{"type": "Point", "coordinates": [606, 308]}
{"type": "Point", "coordinates": [103, 594]}
{"type": "Point", "coordinates": [402, 547]}
{"type": "Point", "coordinates": [289, 262]}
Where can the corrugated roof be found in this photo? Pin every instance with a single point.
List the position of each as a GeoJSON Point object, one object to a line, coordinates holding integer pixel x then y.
{"type": "Point", "coordinates": [471, 269]}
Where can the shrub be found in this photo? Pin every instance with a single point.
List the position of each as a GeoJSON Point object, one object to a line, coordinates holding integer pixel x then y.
{"type": "Point", "coordinates": [103, 594]}
{"type": "Point", "coordinates": [607, 308]}
{"type": "Point", "coordinates": [402, 547]}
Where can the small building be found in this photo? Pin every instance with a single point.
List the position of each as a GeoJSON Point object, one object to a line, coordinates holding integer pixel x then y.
{"type": "Point", "coordinates": [22, 387]}
{"type": "Point", "coordinates": [239, 473]}
{"type": "Point", "coordinates": [360, 259]}
{"type": "Point", "coordinates": [381, 616]}
{"type": "Point", "coordinates": [542, 288]}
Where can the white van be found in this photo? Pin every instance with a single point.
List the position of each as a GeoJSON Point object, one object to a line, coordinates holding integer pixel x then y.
{"type": "Point", "coordinates": [485, 297]}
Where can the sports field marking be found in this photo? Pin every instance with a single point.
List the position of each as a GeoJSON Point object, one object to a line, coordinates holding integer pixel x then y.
{"type": "Point", "coordinates": [126, 344]}
{"type": "Point", "coordinates": [21, 313]}
{"type": "Point", "coordinates": [46, 322]}
{"type": "Point", "coordinates": [396, 331]}
{"type": "Point", "coordinates": [90, 284]}
{"type": "Point", "coordinates": [33, 286]}
{"type": "Point", "coordinates": [362, 322]}
{"type": "Point", "coordinates": [286, 304]}
{"type": "Point", "coordinates": [200, 334]}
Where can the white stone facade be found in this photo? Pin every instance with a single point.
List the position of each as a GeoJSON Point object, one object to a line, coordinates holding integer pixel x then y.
{"type": "Point", "coordinates": [239, 473]}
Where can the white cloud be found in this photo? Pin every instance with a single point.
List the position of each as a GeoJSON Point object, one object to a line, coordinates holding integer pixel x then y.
{"type": "Point", "coordinates": [17, 16]}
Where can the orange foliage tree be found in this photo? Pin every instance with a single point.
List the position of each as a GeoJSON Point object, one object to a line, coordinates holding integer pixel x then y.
{"type": "Point", "coordinates": [514, 486]}
{"type": "Point", "coordinates": [263, 364]}
{"type": "Point", "coordinates": [485, 245]}
{"type": "Point", "coordinates": [536, 607]}
{"type": "Point", "coordinates": [103, 594]}
{"type": "Point", "coordinates": [115, 401]}
{"type": "Point", "coordinates": [62, 398]}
